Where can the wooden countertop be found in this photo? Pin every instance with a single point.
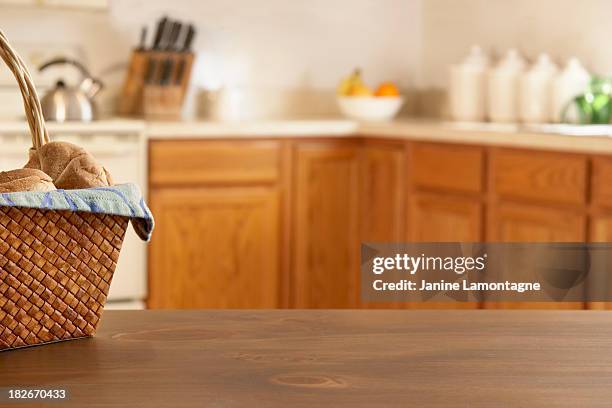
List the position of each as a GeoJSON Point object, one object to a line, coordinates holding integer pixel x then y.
{"type": "Point", "coordinates": [329, 358]}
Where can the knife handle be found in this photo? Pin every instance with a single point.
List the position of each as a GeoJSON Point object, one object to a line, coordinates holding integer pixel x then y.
{"type": "Point", "coordinates": [159, 32]}
{"type": "Point", "coordinates": [173, 37]}
{"type": "Point", "coordinates": [143, 39]}
{"type": "Point", "coordinates": [189, 37]}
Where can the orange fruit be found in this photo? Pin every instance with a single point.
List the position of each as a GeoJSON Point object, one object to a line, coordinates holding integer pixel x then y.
{"type": "Point", "coordinates": [387, 89]}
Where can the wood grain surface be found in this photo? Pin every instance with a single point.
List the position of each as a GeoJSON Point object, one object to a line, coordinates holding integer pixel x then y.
{"type": "Point", "coordinates": [215, 248]}
{"type": "Point", "coordinates": [444, 218]}
{"type": "Point", "coordinates": [540, 176]}
{"type": "Point", "coordinates": [325, 226]}
{"type": "Point", "coordinates": [188, 162]}
{"type": "Point", "coordinates": [365, 358]}
{"type": "Point", "coordinates": [299, 207]}
{"type": "Point", "coordinates": [447, 167]}
{"type": "Point", "coordinates": [382, 193]}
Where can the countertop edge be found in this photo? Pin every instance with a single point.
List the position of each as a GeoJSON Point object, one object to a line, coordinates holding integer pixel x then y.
{"type": "Point", "coordinates": [432, 132]}
{"type": "Point", "coordinates": [399, 130]}
{"type": "Point", "coordinates": [425, 131]}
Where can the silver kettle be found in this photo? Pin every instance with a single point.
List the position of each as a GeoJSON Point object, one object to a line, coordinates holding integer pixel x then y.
{"type": "Point", "coordinates": [65, 103]}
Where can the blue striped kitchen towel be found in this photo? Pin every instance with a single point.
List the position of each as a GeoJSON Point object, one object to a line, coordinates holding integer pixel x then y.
{"type": "Point", "coordinates": [122, 199]}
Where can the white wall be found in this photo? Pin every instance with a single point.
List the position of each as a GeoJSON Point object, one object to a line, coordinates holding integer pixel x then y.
{"type": "Point", "coordinates": [562, 28]}
{"type": "Point", "coordinates": [282, 43]}
{"type": "Point", "coordinates": [268, 44]}
{"type": "Point", "coordinates": [280, 46]}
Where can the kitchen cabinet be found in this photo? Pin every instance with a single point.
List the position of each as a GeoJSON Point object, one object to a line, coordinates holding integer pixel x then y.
{"type": "Point", "coordinates": [383, 192]}
{"type": "Point", "coordinates": [218, 209]}
{"type": "Point", "coordinates": [214, 162]}
{"type": "Point", "coordinates": [545, 177]}
{"type": "Point", "coordinates": [601, 231]}
{"type": "Point", "coordinates": [450, 168]}
{"type": "Point", "coordinates": [531, 223]}
{"type": "Point", "coordinates": [264, 223]}
{"type": "Point", "coordinates": [601, 228]}
{"type": "Point", "coordinates": [436, 217]}
{"type": "Point", "coordinates": [382, 198]}
{"type": "Point", "coordinates": [601, 182]}
{"type": "Point", "coordinates": [537, 197]}
{"type": "Point", "coordinates": [325, 225]}
{"type": "Point", "coordinates": [445, 204]}
{"type": "Point", "coordinates": [215, 248]}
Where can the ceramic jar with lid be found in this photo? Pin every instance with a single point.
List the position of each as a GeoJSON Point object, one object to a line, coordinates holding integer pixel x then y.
{"type": "Point", "coordinates": [502, 88]}
{"type": "Point", "coordinates": [572, 81]}
{"type": "Point", "coordinates": [535, 91]}
{"type": "Point", "coordinates": [467, 87]}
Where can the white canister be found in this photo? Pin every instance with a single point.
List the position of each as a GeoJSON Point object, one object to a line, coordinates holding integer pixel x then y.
{"type": "Point", "coordinates": [535, 91]}
{"type": "Point", "coordinates": [467, 82]}
{"type": "Point", "coordinates": [572, 81]}
{"type": "Point", "coordinates": [502, 88]}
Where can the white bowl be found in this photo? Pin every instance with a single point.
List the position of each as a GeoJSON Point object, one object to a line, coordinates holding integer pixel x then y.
{"type": "Point", "coordinates": [370, 107]}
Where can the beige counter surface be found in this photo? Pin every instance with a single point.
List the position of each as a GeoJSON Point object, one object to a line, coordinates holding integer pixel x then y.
{"type": "Point", "coordinates": [593, 139]}
{"type": "Point", "coordinates": [577, 139]}
{"type": "Point", "coordinates": [251, 129]}
{"type": "Point", "coordinates": [106, 126]}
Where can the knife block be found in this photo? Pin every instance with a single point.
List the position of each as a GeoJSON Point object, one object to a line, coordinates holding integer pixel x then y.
{"type": "Point", "coordinates": [162, 102]}
{"type": "Point", "coordinates": [146, 71]}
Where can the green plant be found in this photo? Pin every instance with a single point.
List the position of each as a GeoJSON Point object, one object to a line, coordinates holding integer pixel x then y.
{"type": "Point", "coordinates": [595, 105]}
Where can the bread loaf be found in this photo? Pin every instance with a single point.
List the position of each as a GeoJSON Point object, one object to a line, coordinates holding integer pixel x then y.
{"type": "Point", "coordinates": [70, 166]}
{"type": "Point", "coordinates": [25, 180]}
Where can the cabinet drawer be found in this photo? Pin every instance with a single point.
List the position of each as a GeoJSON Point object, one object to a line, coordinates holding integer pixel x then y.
{"type": "Point", "coordinates": [449, 167]}
{"type": "Point", "coordinates": [602, 181]}
{"type": "Point", "coordinates": [534, 223]}
{"type": "Point", "coordinates": [541, 176]}
{"type": "Point", "coordinates": [177, 162]}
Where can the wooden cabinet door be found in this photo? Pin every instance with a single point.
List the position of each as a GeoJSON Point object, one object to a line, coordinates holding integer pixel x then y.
{"type": "Point", "coordinates": [382, 194]}
{"type": "Point", "coordinates": [600, 231]}
{"type": "Point", "coordinates": [601, 228]}
{"type": "Point", "coordinates": [325, 225]}
{"type": "Point", "coordinates": [382, 199]}
{"type": "Point", "coordinates": [215, 248]}
{"type": "Point", "coordinates": [443, 218]}
{"type": "Point", "coordinates": [526, 223]}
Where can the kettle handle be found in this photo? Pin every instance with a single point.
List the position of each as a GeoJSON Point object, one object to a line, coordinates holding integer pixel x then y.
{"type": "Point", "coordinates": [64, 61]}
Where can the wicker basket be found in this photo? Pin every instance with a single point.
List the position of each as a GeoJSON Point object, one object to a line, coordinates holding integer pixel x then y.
{"type": "Point", "coordinates": [55, 266]}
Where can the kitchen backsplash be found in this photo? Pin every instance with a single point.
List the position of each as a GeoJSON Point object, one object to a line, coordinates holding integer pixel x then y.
{"type": "Point", "coordinates": [291, 56]}
{"type": "Point", "coordinates": [300, 48]}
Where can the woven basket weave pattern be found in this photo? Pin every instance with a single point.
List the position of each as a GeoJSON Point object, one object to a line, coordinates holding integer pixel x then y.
{"type": "Point", "coordinates": [55, 273]}
{"type": "Point", "coordinates": [55, 266]}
